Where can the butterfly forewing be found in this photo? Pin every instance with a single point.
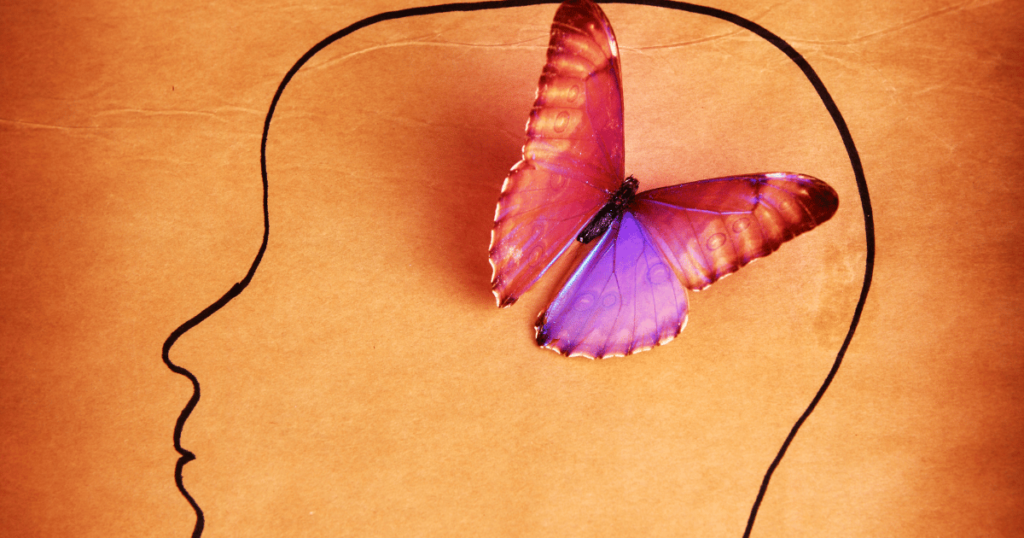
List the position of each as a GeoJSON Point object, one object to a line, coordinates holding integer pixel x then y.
{"type": "Point", "coordinates": [621, 298]}
{"type": "Point", "coordinates": [709, 229]}
{"type": "Point", "coordinates": [573, 159]}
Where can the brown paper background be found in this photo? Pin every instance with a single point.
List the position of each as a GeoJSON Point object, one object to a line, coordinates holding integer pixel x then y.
{"type": "Point", "coordinates": [365, 385]}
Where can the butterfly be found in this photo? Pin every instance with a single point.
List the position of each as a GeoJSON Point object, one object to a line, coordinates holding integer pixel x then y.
{"type": "Point", "coordinates": [636, 253]}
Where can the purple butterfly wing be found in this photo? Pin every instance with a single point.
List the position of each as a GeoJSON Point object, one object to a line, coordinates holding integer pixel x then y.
{"type": "Point", "coordinates": [621, 298]}
{"type": "Point", "coordinates": [709, 229]}
{"type": "Point", "coordinates": [573, 159]}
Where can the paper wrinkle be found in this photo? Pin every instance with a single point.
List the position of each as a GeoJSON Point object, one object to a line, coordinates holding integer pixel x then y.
{"type": "Point", "coordinates": [222, 114]}
{"type": "Point", "coordinates": [969, 90]}
{"type": "Point", "coordinates": [524, 44]}
{"type": "Point", "coordinates": [218, 112]}
{"type": "Point", "coordinates": [707, 39]}
{"type": "Point", "coordinates": [35, 125]}
{"type": "Point", "coordinates": [964, 6]}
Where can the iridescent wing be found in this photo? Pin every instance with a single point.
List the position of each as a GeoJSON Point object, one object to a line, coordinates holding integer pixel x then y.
{"type": "Point", "coordinates": [709, 229]}
{"type": "Point", "coordinates": [573, 159]}
{"type": "Point", "coordinates": [621, 298]}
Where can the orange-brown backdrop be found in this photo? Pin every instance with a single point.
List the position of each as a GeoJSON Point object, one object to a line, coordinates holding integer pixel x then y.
{"type": "Point", "coordinates": [365, 385]}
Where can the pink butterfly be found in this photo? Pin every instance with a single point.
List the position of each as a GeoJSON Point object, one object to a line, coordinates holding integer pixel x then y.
{"type": "Point", "coordinates": [626, 290]}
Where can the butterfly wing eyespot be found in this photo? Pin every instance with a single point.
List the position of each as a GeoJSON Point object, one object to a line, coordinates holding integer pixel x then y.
{"type": "Point", "coordinates": [709, 229]}
{"type": "Point", "coordinates": [621, 298]}
{"type": "Point", "coordinates": [573, 158]}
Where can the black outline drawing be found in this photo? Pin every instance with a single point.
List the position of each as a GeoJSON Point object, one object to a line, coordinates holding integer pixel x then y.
{"type": "Point", "coordinates": [789, 51]}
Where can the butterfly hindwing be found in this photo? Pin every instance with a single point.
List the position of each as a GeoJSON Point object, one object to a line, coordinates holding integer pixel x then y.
{"type": "Point", "coordinates": [621, 298]}
{"type": "Point", "coordinates": [573, 158]}
{"type": "Point", "coordinates": [709, 229]}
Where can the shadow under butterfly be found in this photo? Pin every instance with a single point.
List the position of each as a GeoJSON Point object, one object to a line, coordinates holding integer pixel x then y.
{"type": "Point", "coordinates": [626, 289]}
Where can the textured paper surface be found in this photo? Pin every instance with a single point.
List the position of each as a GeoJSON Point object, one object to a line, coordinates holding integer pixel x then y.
{"type": "Point", "coordinates": [364, 384]}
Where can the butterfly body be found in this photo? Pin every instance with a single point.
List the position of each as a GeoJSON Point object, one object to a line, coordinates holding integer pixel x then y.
{"type": "Point", "coordinates": [640, 252]}
{"type": "Point", "coordinates": [611, 212]}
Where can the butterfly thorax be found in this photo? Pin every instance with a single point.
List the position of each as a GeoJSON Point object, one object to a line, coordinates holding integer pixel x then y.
{"type": "Point", "coordinates": [610, 212]}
